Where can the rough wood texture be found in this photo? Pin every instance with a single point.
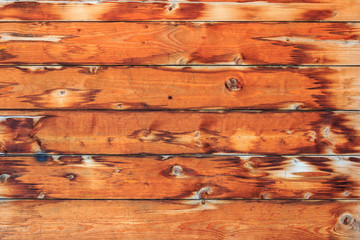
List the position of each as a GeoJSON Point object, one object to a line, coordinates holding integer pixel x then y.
{"type": "Point", "coordinates": [331, 10]}
{"type": "Point", "coordinates": [308, 220]}
{"type": "Point", "coordinates": [165, 177]}
{"type": "Point", "coordinates": [113, 132]}
{"type": "Point", "coordinates": [123, 88]}
{"type": "Point", "coordinates": [179, 43]}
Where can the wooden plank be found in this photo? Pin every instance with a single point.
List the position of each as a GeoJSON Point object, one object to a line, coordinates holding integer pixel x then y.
{"type": "Point", "coordinates": [331, 10]}
{"type": "Point", "coordinates": [179, 43]}
{"type": "Point", "coordinates": [113, 132]}
{"type": "Point", "coordinates": [183, 1]}
{"type": "Point", "coordinates": [94, 87]}
{"type": "Point", "coordinates": [46, 219]}
{"type": "Point", "coordinates": [166, 177]}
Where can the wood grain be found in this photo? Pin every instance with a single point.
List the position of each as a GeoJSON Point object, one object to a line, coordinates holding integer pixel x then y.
{"type": "Point", "coordinates": [99, 87]}
{"type": "Point", "coordinates": [179, 43]}
{"type": "Point", "coordinates": [113, 132]}
{"type": "Point", "coordinates": [331, 10]}
{"type": "Point", "coordinates": [308, 220]}
{"type": "Point", "coordinates": [171, 177]}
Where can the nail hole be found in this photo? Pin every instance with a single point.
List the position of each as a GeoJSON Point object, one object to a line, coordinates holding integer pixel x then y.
{"type": "Point", "coordinates": [62, 92]}
{"type": "Point", "coordinates": [170, 97]}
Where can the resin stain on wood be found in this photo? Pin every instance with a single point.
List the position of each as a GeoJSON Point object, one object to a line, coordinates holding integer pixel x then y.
{"type": "Point", "coordinates": [179, 43]}
{"type": "Point", "coordinates": [123, 88]}
{"type": "Point", "coordinates": [45, 219]}
{"type": "Point", "coordinates": [173, 177]}
{"type": "Point", "coordinates": [333, 10]}
{"type": "Point", "coordinates": [113, 132]}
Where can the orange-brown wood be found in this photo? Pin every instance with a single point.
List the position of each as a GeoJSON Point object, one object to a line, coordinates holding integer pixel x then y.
{"type": "Point", "coordinates": [94, 87]}
{"type": "Point", "coordinates": [179, 43]}
{"type": "Point", "coordinates": [75, 123]}
{"type": "Point", "coordinates": [307, 220]}
{"type": "Point", "coordinates": [334, 10]}
{"type": "Point", "coordinates": [171, 177]}
{"type": "Point", "coordinates": [113, 132]}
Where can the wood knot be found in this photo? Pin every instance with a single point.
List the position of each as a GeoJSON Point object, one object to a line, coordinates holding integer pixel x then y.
{"type": "Point", "coordinates": [41, 195]}
{"type": "Point", "coordinates": [62, 92]}
{"type": "Point", "coordinates": [171, 7]}
{"type": "Point", "coordinates": [264, 196]}
{"type": "Point", "coordinates": [203, 193]}
{"type": "Point", "coordinates": [70, 176]}
{"type": "Point", "coordinates": [233, 84]}
{"type": "Point", "coordinates": [177, 170]}
{"type": "Point", "coordinates": [119, 106]}
{"type": "Point", "coordinates": [347, 219]}
{"type": "Point", "coordinates": [4, 177]}
{"type": "Point", "coordinates": [93, 70]}
{"type": "Point", "coordinates": [347, 193]}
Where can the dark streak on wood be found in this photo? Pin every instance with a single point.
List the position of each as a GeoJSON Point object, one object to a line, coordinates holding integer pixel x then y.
{"type": "Point", "coordinates": [317, 15]}
{"type": "Point", "coordinates": [4, 55]}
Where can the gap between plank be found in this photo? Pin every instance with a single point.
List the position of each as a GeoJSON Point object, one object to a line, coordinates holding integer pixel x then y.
{"type": "Point", "coordinates": [172, 65]}
{"type": "Point", "coordinates": [176, 155]}
{"type": "Point", "coordinates": [175, 21]}
{"type": "Point", "coordinates": [174, 200]}
{"type": "Point", "coordinates": [179, 110]}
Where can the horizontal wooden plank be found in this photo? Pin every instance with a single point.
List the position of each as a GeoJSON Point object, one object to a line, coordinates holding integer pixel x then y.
{"type": "Point", "coordinates": [46, 219]}
{"type": "Point", "coordinates": [113, 132]}
{"type": "Point", "coordinates": [181, 1]}
{"type": "Point", "coordinates": [121, 88]}
{"type": "Point", "coordinates": [331, 10]}
{"type": "Point", "coordinates": [165, 177]}
{"type": "Point", "coordinates": [179, 43]}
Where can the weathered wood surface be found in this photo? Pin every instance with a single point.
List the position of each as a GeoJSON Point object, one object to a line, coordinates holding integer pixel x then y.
{"type": "Point", "coordinates": [166, 177]}
{"type": "Point", "coordinates": [331, 10]}
{"type": "Point", "coordinates": [179, 43]}
{"type": "Point", "coordinates": [94, 87]}
{"type": "Point", "coordinates": [308, 220]}
{"type": "Point", "coordinates": [114, 132]}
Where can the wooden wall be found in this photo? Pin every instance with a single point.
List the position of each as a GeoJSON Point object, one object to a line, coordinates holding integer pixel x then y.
{"type": "Point", "coordinates": [180, 119]}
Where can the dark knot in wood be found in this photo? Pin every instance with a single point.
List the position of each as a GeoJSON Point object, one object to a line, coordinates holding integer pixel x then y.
{"type": "Point", "coordinates": [233, 84]}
